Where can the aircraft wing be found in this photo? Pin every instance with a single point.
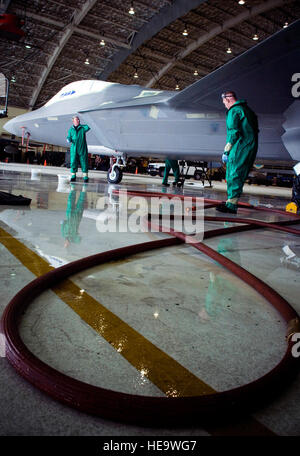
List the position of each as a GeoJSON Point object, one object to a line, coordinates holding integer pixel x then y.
{"type": "Point", "coordinates": [144, 98]}
{"type": "Point", "coordinates": [262, 75]}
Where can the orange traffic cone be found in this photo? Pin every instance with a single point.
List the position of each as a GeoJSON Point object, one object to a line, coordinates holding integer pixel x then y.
{"type": "Point", "coordinates": [136, 170]}
{"type": "Point", "coordinates": [45, 163]}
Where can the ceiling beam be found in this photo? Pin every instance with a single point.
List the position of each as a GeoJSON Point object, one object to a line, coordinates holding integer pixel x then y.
{"type": "Point", "coordinates": [63, 4]}
{"type": "Point", "coordinates": [67, 33]}
{"type": "Point", "coordinates": [191, 66]}
{"type": "Point", "coordinates": [229, 23]}
{"type": "Point", "coordinates": [23, 86]}
{"type": "Point", "coordinates": [98, 37]}
{"type": "Point", "coordinates": [39, 17]}
{"type": "Point", "coordinates": [76, 63]}
{"type": "Point", "coordinates": [81, 31]}
{"type": "Point", "coordinates": [116, 24]}
{"type": "Point", "coordinates": [144, 5]}
{"type": "Point", "coordinates": [169, 43]}
{"type": "Point", "coordinates": [163, 18]}
{"type": "Point", "coordinates": [123, 12]}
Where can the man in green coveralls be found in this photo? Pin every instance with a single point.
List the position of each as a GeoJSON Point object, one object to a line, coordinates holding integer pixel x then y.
{"type": "Point", "coordinates": [78, 150]}
{"type": "Point", "coordinates": [175, 167]}
{"type": "Point", "coordinates": [241, 148]}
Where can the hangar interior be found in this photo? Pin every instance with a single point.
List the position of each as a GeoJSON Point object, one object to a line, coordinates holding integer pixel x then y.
{"type": "Point", "coordinates": [168, 322]}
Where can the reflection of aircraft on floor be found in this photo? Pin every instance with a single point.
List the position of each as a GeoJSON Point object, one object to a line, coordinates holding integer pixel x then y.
{"type": "Point", "coordinates": [131, 121]}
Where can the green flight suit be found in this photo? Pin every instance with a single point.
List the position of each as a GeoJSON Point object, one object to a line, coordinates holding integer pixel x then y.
{"type": "Point", "coordinates": [69, 227]}
{"type": "Point", "coordinates": [175, 167]}
{"type": "Point", "coordinates": [78, 150]}
{"type": "Point", "coordinates": [242, 135]}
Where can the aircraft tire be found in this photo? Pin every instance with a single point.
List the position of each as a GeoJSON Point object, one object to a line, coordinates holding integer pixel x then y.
{"type": "Point", "coordinates": [115, 177]}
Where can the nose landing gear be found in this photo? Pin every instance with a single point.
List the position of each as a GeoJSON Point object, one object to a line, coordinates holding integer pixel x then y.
{"type": "Point", "coordinates": [115, 172]}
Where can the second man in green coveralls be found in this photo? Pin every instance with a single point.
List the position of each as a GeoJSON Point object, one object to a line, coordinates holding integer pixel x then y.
{"type": "Point", "coordinates": [78, 150]}
{"type": "Point", "coordinates": [241, 148]}
{"type": "Point", "coordinates": [175, 167]}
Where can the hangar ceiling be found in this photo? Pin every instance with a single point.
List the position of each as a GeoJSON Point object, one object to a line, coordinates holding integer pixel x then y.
{"type": "Point", "coordinates": [98, 39]}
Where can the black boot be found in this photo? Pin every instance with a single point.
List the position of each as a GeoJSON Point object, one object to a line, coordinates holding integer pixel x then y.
{"type": "Point", "coordinates": [224, 208]}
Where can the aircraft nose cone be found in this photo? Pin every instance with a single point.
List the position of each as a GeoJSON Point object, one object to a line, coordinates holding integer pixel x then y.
{"type": "Point", "coordinates": [10, 126]}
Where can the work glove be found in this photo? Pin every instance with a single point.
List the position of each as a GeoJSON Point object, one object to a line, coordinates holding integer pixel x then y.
{"type": "Point", "coordinates": [228, 147]}
{"type": "Point", "coordinates": [224, 158]}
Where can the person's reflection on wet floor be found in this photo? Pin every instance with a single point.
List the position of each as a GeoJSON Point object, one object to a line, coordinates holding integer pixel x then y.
{"type": "Point", "coordinates": [221, 291]}
{"type": "Point", "coordinates": [70, 226]}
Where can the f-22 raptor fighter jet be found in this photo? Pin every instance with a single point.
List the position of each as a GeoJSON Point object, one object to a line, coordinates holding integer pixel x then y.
{"type": "Point", "coordinates": [131, 121]}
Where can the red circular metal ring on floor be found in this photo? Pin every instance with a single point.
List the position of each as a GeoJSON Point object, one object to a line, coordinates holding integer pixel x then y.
{"type": "Point", "coordinates": [137, 409]}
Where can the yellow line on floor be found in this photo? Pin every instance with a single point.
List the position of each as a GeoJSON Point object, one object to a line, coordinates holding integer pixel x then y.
{"type": "Point", "coordinates": [162, 370]}
{"type": "Point", "coordinates": [168, 375]}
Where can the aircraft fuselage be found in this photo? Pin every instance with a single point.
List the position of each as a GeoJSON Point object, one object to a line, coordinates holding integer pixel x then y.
{"type": "Point", "coordinates": [140, 122]}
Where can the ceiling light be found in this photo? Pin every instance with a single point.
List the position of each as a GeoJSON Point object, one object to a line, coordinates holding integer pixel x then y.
{"type": "Point", "coordinates": [87, 61]}
{"type": "Point", "coordinates": [185, 32]}
{"type": "Point", "coordinates": [131, 9]}
{"type": "Point", "coordinates": [177, 87]}
{"type": "Point", "coordinates": [13, 79]}
{"type": "Point", "coordinates": [27, 46]}
{"type": "Point", "coordinates": [229, 51]}
{"type": "Point", "coordinates": [255, 37]}
{"type": "Point", "coordinates": [102, 43]}
{"type": "Point", "coordinates": [196, 73]}
{"type": "Point", "coordinates": [242, 2]}
{"type": "Point", "coordinates": [135, 75]}
{"type": "Point", "coordinates": [285, 25]}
